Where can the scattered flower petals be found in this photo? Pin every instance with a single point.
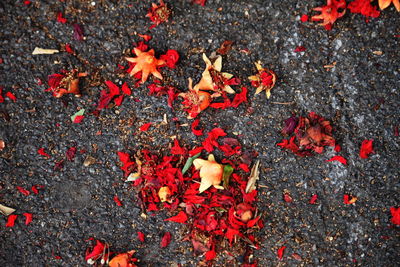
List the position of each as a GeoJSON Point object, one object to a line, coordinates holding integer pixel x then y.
{"type": "Point", "coordinates": [78, 32]}
{"type": "Point", "coordinates": [347, 199]}
{"type": "Point", "coordinates": [226, 46]}
{"type": "Point", "coordinates": [313, 199]}
{"type": "Point", "coordinates": [145, 37]}
{"type": "Point", "coordinates": [366, 148]}
{"type": "Point", "coordinates": [395, 212]}
{"type": "Point", "coordinates": [338, 158]}
{"type": "Point", "coordinates": [117, 201]}
{"type": "Point", "coordinates": [145, 127]}
{"type": "Point", "coordinates": [300, 49]}
{"type": "Point", "coordinates": [280, 252]}
{"type": "Point", "coordinates": [287, 198]}
{"type": "Point", "coordinates": [60, 18]}
{"type": "Point", "coordinates": [180, 218]}
{"type": "Point", "coordinates": [11, 96]}
{"type": "Point", "coordinates": [304, 18]}
{"type": "Point", "coordinates": [195, 131]}
{"type": "Point", "coordinates": [11, 220]}
{"type": "Point", "coordinates": [28, 218]}
{"type": "Point", "coordinates": [170, 58]}
{"type": "Point", "coordinates": [141, 236]}
{"type": "Point", "coordinates": [35, 188]}
{"type": "Point", "coordinates": [166, 239]}
{"type": "Point", "coordinates": [23, 191]}
{"type": "Point", "coordinates": [43, 153]}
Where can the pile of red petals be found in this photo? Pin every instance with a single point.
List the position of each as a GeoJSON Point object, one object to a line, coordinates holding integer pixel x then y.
{"type": "Point", "coordinates": [308, 134]}
{"type": "Point", "coordinates": [227, 213]}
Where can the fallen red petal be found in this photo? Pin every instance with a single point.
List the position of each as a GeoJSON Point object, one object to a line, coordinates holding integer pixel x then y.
{"type": "Point", "coordinates": [145, 127]}
{"type": "Point", "coordinates": [11, 96]}
{"type": "Point", "coordinates": [43, 153]}
{"type": "Point", "coordinates": [304, 18]}
{"type": "Point", "coordinates": [28, 218]}
{"type": "Point", "coordinates": [395, 212]}
{"type": "Point", "coordinates": [313, 199]}
{"type": "Point", "coordinates": [280, 252]}
{"type": "Point", "coordinates": [23, 191]}
{"type": "Point", "coordinates": [166, 239]}
{"type": "Point", "coordinates": [180, 218]}
{"type": "Point", "coordinates": [366, 148]}
{"type": "Point", "coordinates": [11, 220]}
{"type": "Point", "coordinates": [117, 201]}
{"type": "Point", "coordinates": [338, 158]}
{"type": "Point", "coordinates": [141, 236]}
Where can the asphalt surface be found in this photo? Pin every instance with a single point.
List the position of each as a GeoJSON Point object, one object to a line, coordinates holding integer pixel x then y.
{"type": "Point", "coordinates": [359, 95]}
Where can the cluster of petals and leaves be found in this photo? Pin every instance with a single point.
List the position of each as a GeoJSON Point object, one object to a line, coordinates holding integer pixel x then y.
{"type": "Point", "coordinates": [333, 10]}
{"type": "Point", "coordinates": [158, 13]}
{"type": "Point", "coordinates": [264, 80]}
{"type": "Point", "coordinates": [66, 82]}
{"type": "Point", "coordinates": [157, 89]}
{"type": "Point", "coordinates": [214, 80]}
{"type": "Point", "coordinates": [216, 208]}
{"type": "Point", "coordinates": [100, 254]}
{"type": "Point", "coordinates": [113, 93]}
{"type": "Point", "coordinates": [383, 4]}
{"type": "Point", "coordinates": [309, 134]}
{"type": "Point", "coordinates": [195, 100]}
{"type": "Point", "coordinates": [147, 63]}
{"type": "Point", "coordinates": [213, 84]}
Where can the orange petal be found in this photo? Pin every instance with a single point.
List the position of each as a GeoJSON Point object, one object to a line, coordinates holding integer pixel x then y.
{"type": "Point", "coordinates": [384, 4]}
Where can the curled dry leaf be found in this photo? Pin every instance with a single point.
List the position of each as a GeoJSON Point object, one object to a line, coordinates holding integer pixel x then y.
{"type": "Point", "coordinates": [210, 173]}
{"type": "Point", "coordinates": [254, 176]}
{"type": "Point", "coordinates": [264, 80]}
{"type": "Point", "coordinates": [147, 63]}
{"type": "Point", "coordinates": [6, 210]}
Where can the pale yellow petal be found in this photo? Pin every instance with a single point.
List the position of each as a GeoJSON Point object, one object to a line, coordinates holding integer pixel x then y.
{"type": "Point", "coordinates": [227, 75]}
{"type": "Point", "coordinates": [137, 51]}
{"type": "Point", "coordinates": [218, 64]}
{"type": "Point", "coordinates": [205, 184]}
{"type": "Point", "coordinates": [384, 4]}
{"type": "Point", "coordinates": [259, 89]}
{"type": "Point", "coordinates": [268, 93]}
{"type": "Point", "coordinates": [206, 60]}
{"type": "Point", "coordinates": [198, 163]}
{"type": "Point", "coordinates": [229, 89]}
